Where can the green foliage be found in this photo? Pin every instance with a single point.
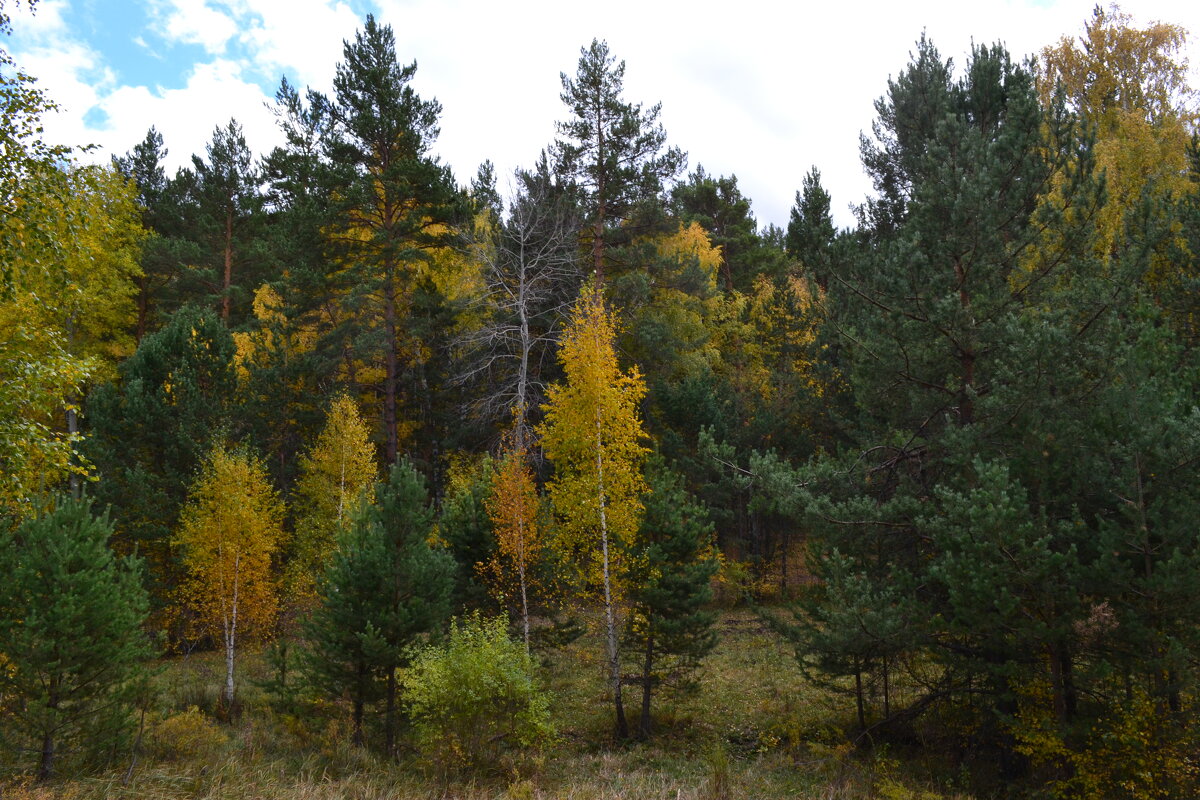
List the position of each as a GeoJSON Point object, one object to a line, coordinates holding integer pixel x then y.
{"type": "Point", "coordinates": [669, 630]}
{"type": "Point", "coordinates": [152, 429]}
{"type": "Point", "coordinates": [384, 589]}
{"type": "Point", "coordinates": [71, 644]}
{"type": "Point", "coordinates": [467, 532]}
{"type": "Point", "coordinates": [474, 699]}
{"type": "Point", "coordinates": [612, 150]}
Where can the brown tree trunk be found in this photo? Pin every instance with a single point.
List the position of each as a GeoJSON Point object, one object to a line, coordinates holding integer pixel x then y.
{"type": "Point", "coordinates": [647, 668]}
{"type": "Point", "coordinates": [391, 367]}
{"type": "Point", "coordinates": [360, 693]}
{"type": "Point", "coordinates": [228, 282]}
{"type": "Point", "coordinates": [389, 720]}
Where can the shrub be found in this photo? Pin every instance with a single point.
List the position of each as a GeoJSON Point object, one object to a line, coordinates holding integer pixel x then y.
{"type": "Point", "coordinates": [187, 734]}
{"type": "Point", "coordinates": [475, 699]}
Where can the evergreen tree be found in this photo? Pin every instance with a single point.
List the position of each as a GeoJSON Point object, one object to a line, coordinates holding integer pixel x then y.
{"type": "Point", "coordinates": [150, 432]}
{"type": "Point", "coordinates": [70, 633]}
{"type": "Point", "coordinates": [810, 230]}
{"type": "Point", "coordinates": [225, 219]}
{"type": "Point", "coordinates": [392, 206]}
{"type": "Point", "coordinates": [384, 589]}
{"type": "Point", "coordinates": [669, 630]}
{"type": "Point", "coordinates": [959, 367]}
{"type": "Point", "coordinates": [612, 150]}
{"type": "Point", "coordinates": [718, 205]}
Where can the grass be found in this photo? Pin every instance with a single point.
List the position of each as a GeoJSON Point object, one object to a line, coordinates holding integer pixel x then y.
{"type": "Point", "coordinates": [752, 728]}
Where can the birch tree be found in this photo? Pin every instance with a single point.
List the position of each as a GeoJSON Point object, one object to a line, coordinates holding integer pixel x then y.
{"type": "Point", "coordinates": [593, 435]}
{"type": "Point", "coordinates": [230, 528]}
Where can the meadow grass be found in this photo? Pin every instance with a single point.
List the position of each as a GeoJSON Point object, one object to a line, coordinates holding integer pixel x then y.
{"type": "Point", "coordinates": [751, 727]}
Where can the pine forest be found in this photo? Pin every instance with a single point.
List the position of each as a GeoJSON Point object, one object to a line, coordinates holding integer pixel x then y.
{"type": "Point", "coordinates": [326, 472]}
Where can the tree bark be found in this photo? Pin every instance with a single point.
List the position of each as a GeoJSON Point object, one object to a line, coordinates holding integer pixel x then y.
{"type": "Point", "coordinates": [359, 694]}
{"type": "Point", "coordinates": [389, 720]}
{"type": "Point", "coordinates": [614, 659]}
{"type": "Point", "coordinates": [231, 637]}
{"type": "Point", "coordinates": [391, 366]}
{"type": "Point", "coordinates": [647, 668]}
{"type": "Point", "coordinates": [228, 282]}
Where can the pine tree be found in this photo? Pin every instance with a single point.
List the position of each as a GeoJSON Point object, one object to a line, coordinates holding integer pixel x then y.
{"type": "Point", "coordinates": [810, 230]}
{"type": "Point", "coordinates": [674, 558]}
{"type": "Point", "coordinates": [70, 632]}
{"type": "Point", "coordinates": [150, 432]}
{"type": "Point", "coordinates": [224, 213]}
{"type": "Point", "coordinates": [383, 590]}
{"type": "Point", "coordinates": [392, 207]}
{"type": "Point", "coordinates": [592, 433]}
{"type": "Point", "coordinates": [613, 150]}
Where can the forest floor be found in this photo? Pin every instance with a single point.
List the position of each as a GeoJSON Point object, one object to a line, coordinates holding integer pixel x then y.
{"type": "Point", "coordinates": [753, 727]}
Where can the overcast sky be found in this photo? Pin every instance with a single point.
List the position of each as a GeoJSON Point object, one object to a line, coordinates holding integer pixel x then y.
{"type": "Point", "coordinates": [763, 90]}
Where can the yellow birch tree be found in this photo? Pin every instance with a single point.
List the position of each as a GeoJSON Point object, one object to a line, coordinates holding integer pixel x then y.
{"type": "Point", "coordinates": [593, 434]}
{"type": "Point", "coordinates": [1132, 85]}
{"type": "Point", "coordinates": [230, 528]}
{"type": "Point", "coordinates": [334, 476]}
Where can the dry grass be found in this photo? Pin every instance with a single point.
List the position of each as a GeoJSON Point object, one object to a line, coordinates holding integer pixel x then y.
{"type": "Point", "coordinates": [753, 728]}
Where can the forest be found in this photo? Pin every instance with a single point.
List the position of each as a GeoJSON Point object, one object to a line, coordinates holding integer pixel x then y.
{"type": "Point", "coordinates": [324, 474]}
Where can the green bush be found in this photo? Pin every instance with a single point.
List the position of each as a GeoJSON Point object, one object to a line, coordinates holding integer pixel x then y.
{"type": "Point", "coordinates": [474, 700]}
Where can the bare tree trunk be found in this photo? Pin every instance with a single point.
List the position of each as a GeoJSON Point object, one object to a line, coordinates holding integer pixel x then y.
{"type": "Point", "coordinates": [858, 698]}
{"type": "Point", "coordinates": [389, 720]}
{"type": "Point", "coordinates": [522, 405]}
{"type": "Point", "coordinates": [231, 637]}
{"type": "Point", "coordinates": [521, 572]}
{"type": "Point", "coordinates": [46, 766]}
{"type": "Point", "coordinates": [614, 660]}
{"type": "Point", "coordinates": [359, 694]}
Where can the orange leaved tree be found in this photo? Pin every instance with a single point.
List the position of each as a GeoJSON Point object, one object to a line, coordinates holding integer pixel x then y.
{"type": "Point", "coordinates": [513, 509]}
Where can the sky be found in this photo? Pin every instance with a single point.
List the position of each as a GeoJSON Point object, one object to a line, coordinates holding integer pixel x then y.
{"type": "Point", "coordinates": [761, 90]}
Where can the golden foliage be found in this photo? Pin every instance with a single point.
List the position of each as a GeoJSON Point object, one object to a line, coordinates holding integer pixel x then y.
{"type": "Point", "coordinates": [1131, 84]}
{"type": "Point", "coordinates": [593, 434]}
{"type": "Point", "coordinates": [1136, 752]}
{"type": "Point", "coordinates": [70, 250]}
{"type": "Point", "coordinates": [334, 476]}
{"type": "Point", "coordinates": [230, 529]}
{"type": "Point", "coordinates": [273, 341]}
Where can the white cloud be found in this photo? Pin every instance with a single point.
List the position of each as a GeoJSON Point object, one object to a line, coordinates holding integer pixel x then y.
{"type": "Point", "coordinates": [300, 37]}
{"type": "Point", "coordinates": [185, 116]}
{"type": "Point", "coordinates": [760, 89]}
{"type": "Point", "coordinates": [194, 22]}
{"type": "Point", "coordinates": [44, 19]}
